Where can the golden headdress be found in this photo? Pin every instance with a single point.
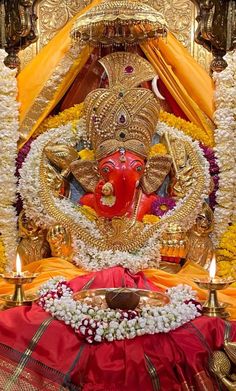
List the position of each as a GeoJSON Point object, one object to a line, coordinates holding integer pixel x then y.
{"type": "Point", "coordinates": [123, 115]}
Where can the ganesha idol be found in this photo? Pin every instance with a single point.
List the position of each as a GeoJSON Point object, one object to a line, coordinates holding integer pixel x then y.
{"type": "Point", "coordinates": [114, 189]}
{"type": "Point", "coordinates": [114, 194]}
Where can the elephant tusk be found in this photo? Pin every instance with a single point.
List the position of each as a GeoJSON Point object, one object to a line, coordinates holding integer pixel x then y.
{"type": "Point", "coordinates": [155, 88]}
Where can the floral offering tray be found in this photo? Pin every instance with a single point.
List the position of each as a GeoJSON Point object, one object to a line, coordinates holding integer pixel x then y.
{"type": "Point", "coordinates": [122, 298]}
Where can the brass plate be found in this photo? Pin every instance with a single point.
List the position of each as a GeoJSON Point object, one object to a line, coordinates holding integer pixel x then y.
{"type": "Point", "coordinates": [97, 296]}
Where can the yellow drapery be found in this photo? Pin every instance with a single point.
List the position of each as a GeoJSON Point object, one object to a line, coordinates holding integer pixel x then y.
{"type": "Point", "coordinates": [52, 267]}
{"type": "Point", "coordinates": [189, 84]}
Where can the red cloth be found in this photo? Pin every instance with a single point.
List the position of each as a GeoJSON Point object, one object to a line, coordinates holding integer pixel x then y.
{"type": "Point", "coordinates": [180, 357]}
{"type": "Point", "coordinates": [175, 109]}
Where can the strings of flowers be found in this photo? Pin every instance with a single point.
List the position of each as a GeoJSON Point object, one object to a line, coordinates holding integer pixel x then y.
{"type": "Point", "coordinates": [97, 324]}
{"type": "Point", "coordinates": [188, 128]}
{"type": "Point", "coordinates": [214, 172]}
{"type": "Point", "coordinates": [8, 142]}
{"type": "Point", "coordinates": [226, 254]}
{"type": "Point", "coordinates": [225, 148]}
{"type": "Point", "coordinates": [73, 114]}
{"type": "Point", "coordinates": [3, 259]}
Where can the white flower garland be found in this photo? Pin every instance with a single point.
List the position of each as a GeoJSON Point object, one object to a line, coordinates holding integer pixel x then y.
{"type": "Point", "coordinates": [9, 112]}
{"type": "Point", "coordinates": [90, 258]}
{"type": "Point", "coordinates": [225, 139]}
{"type": "Point", "coordinates": [96, 324]}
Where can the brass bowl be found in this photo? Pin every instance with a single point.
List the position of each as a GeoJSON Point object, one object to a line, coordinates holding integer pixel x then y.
{"type": "Point", "coordinates": [122, 299]}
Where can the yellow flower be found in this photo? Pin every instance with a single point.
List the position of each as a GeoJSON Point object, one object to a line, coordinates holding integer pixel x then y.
{"type": "Point", "coordinates": [150, 219]}
{"type": "Point", "coordinates": [188, 128]}
{"type": "Point", "coordinates": [73, 114]}
{"type": "Point", "coordinates": [3, 260]}
{"type": "Point", "coordinates": [86, 154]}
{"type": "Point", "coordinates": [157, 149]}
{"type": "Point", "coordinates": [88, 212]}
{"type": "Point", "coordinates": [226, 253]}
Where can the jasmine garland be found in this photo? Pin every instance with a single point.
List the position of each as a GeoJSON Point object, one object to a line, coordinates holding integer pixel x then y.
{"type": "Point", "coordinates": [96, 324]}
{"type": "Point", "coordinates": [8, 146]}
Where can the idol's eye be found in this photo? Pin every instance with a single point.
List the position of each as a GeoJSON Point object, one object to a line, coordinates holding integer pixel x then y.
{"type": "Point", "coordinates": [139, 168]}
{"type": "Point", "coordinates": [105, 169]}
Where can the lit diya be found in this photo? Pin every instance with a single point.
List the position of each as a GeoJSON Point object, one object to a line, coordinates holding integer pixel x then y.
{"type": "Point", "coordinates": [212, 307]}
{"type": "Point", "coordinates": [19, 279]}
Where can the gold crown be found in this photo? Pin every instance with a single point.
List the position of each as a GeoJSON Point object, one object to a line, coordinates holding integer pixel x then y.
{"type": "Point", "coordinates": [122, 116]}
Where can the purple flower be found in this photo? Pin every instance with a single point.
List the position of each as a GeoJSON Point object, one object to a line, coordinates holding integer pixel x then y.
{"type": "Point", "coordinates": [23, 152]}
{"type": "Point", "coordinates": [214, 171]}
{"type": "Point", "coordinates": [162, 205]}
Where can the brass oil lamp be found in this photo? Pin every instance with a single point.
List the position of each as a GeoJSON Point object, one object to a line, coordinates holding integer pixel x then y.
{"type": "Point", "coordinates": [212, 307]}
{"type": "Point", "coordinates": [18, 278]}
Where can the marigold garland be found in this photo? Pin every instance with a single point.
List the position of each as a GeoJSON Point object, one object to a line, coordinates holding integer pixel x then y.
{"type": "Point", "coordinates": [226, 254]}
{"type": "Point", "coordinates": [86, 154]}
{"type": "Point", "coordinates": [3, 259]}
{"type": "Point", "coordinates": [150, 219]}
{"type": "Point", "coordinates": [157, 149]}
{"type": "Point", "coordinates": [73, 114]}
{"type": "Point", "coordinates": [188, 128]}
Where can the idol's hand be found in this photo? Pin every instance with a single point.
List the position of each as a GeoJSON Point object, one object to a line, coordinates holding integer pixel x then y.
{"type": "Point", "coordinates": [60, 242]}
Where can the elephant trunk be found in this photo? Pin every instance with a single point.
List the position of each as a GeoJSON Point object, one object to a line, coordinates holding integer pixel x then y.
{"type": "Point", "coordinates": [114, 198]}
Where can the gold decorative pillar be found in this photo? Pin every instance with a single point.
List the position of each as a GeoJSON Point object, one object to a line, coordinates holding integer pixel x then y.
{"type": "Point", "coordinates": [17, 29]}
{"type": "Point", "coordinates": [216, 30]}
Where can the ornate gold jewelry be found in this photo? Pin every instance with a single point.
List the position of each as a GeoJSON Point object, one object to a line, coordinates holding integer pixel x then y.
{"type": "Point", "coordinates": [85, 171]}
{"type": "Point", "coordinates": [60, 242]}
{"type": "Point", "coordinates": [113, 23]}
{"type": "Point", "coordinates": [33, 245]}
{"type": "Point", "coordinates": [59, 156]}
{"type": "Point", "coordinates": [200, 248]}
{"type": "Point", "coordinates": [180, 216]}
{"type": "Point", "coordinates": [157, 170]}
{"type": "Point", "coordinates": [122, 116]}
{"type": "Point", "coordinates": [220, 362]}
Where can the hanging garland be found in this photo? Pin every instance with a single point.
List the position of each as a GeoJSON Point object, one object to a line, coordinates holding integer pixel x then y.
{"type": "Point", "coordinates": [187, 127]}
{"type": "Point", "coordinates": [8, 142]}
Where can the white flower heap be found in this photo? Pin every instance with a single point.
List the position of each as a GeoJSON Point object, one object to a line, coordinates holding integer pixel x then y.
{"type": "Point", "coordinates": [99, 323]}
{"type": "Point", "coordinates": [8, 150]}
{"type": "Point", "coordinates": [225, 119]}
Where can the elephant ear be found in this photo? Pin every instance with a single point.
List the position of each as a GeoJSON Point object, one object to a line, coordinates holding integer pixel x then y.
{"type": "Point", "coordinates": [85, 171]}
{"type": "Point", "coordinates": [157, 169]}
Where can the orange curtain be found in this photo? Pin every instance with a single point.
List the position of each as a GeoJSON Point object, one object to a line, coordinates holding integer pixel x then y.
{"type": "Point", "coordinates": [186, 80]}
{"type": "Point", "coordinates": [33, 77]}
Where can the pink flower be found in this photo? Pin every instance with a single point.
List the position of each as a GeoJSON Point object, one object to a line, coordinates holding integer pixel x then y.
{"type": "Point", "coordinates": [162, 205]}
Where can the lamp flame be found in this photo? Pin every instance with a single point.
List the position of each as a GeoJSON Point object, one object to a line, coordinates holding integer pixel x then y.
{"type": "Point", "coordinates": [212, 268]}
{"type": "Point", "coordinates": [18, 265]}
